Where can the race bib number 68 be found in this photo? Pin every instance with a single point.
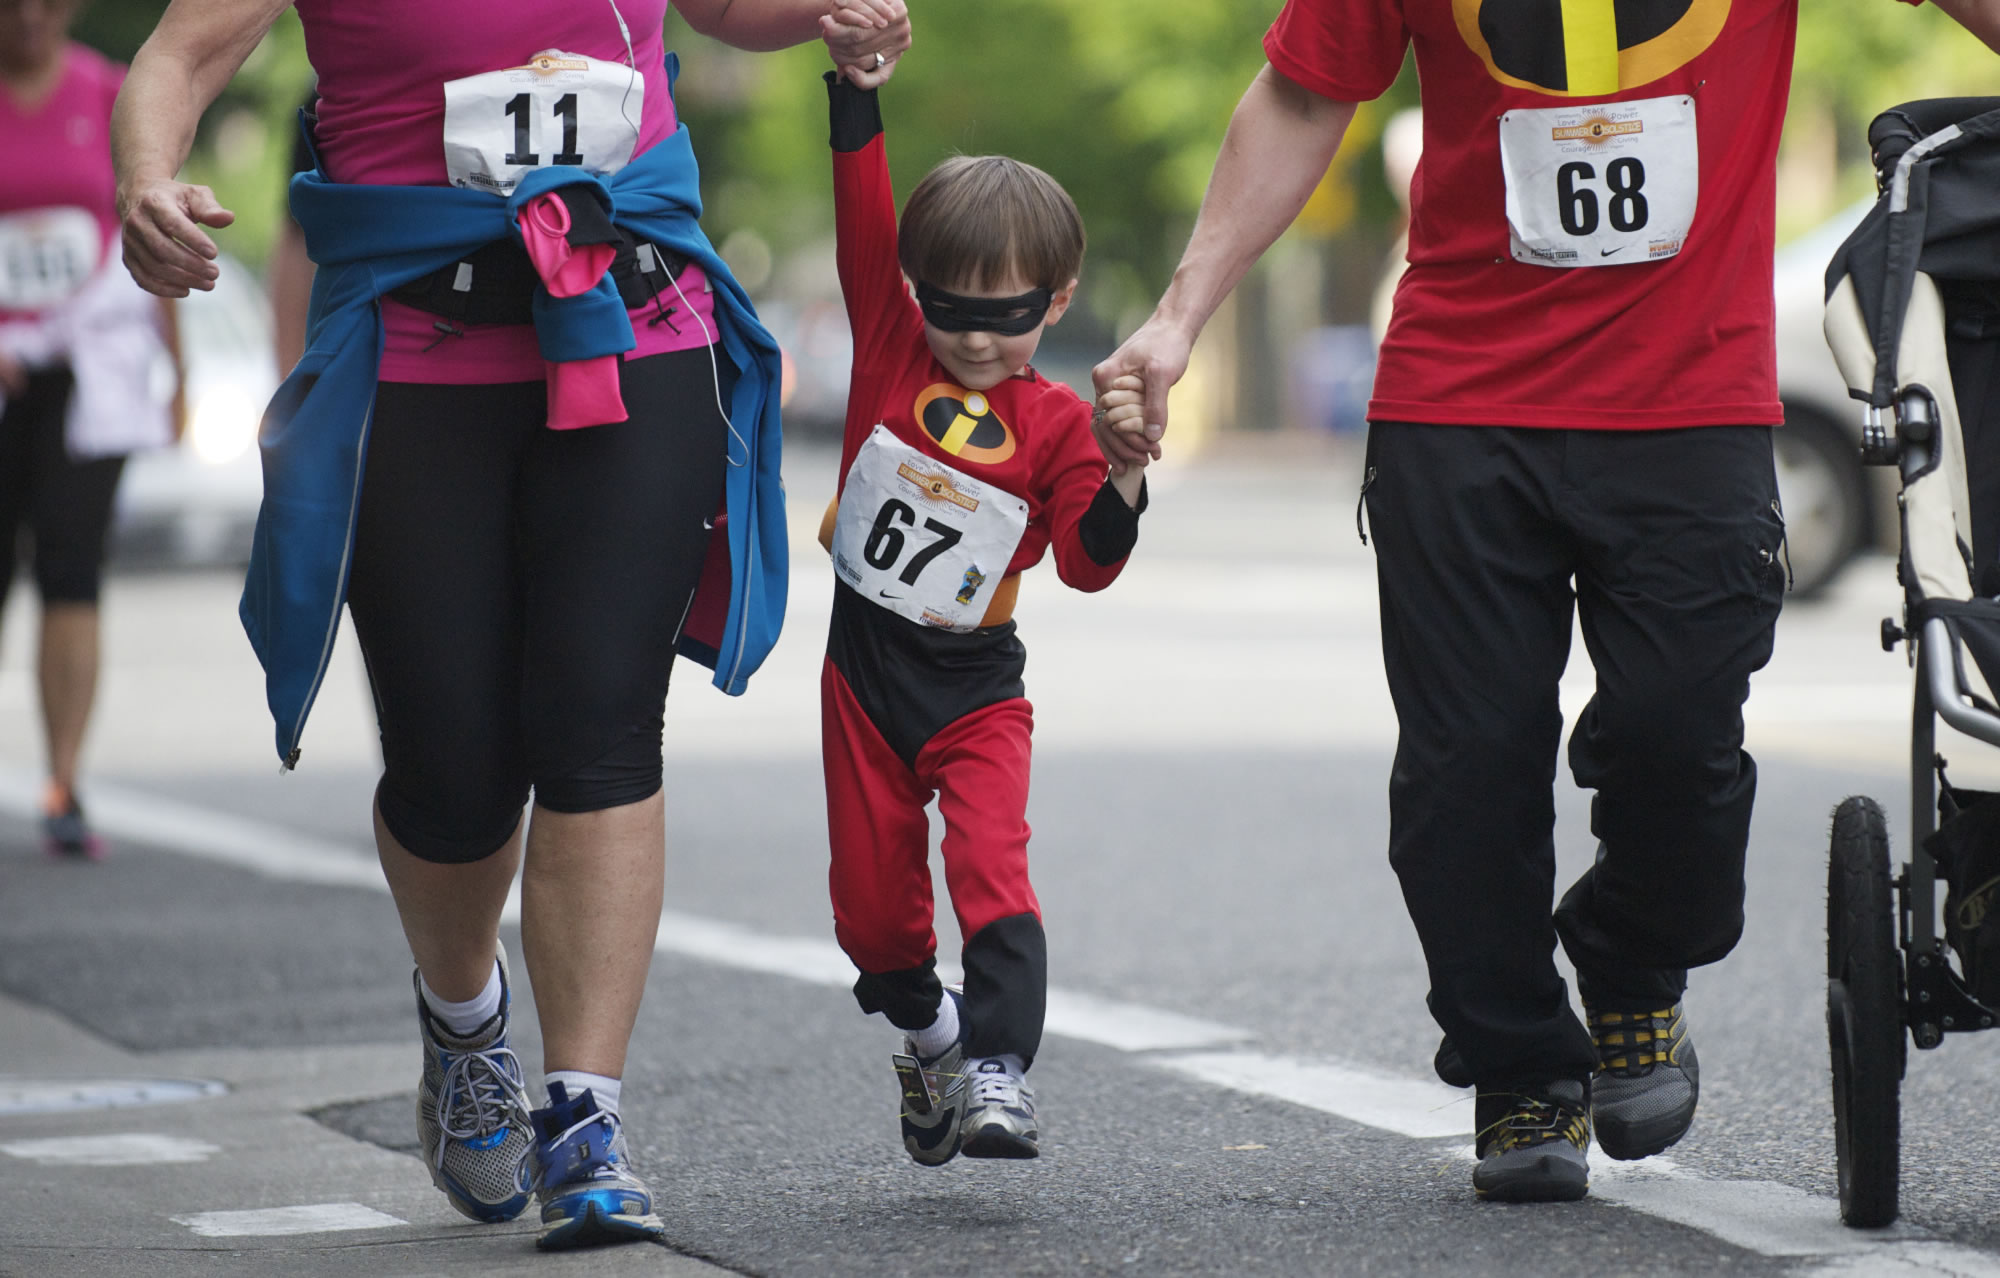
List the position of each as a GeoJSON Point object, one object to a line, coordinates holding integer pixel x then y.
{"type": "Point", "coordinates": [1600, 185]}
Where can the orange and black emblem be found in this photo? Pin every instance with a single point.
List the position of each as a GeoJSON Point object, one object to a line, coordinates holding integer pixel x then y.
{"type": "Point", "coordinates": [1582, 48]}
{"type": "Point", "coordinates": [964, 424]}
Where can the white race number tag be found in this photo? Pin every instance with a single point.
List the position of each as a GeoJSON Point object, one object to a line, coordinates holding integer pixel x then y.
{"type": "Point", "coordinates": [561, 108]}
{"type": "Point", "coordinates": [923, 539]}
{"type": "Point", "coordinates": [46, 255]}
{"type": "Point", "coordinates": [1600, 185]}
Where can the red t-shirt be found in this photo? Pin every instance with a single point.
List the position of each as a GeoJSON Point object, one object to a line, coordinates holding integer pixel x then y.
{"type": "Point", "coordinates": [57, 158]}
{"type": "Point", "coordinates": [1032, 436]}
{"type": "Point", "coordinates": [1481, 338]}
{"type": "Point", "coordinates": [382, 67]}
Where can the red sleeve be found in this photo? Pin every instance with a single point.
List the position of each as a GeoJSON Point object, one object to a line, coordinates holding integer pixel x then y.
{"type": "Point", "coordinates": [880, 311]}
{"type": "Point", "coordinates": [1068, 476]}
{"type": "Point", "coordinates": [1346, 50]}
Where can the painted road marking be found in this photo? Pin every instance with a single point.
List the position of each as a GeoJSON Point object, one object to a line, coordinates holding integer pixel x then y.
{"type": "Point", "coordinates": [1760, 1216]}
{"type": "Point", "coordinates": [55, 1095]}
{"type": "Point", "coordinates": [122, 1149]}
{"type": "Point", "coordinates": [276, 1222]}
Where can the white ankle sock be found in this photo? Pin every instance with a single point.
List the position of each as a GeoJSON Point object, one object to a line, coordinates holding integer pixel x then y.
{"type": "Point", "coordinates": [575, 1082]}
{"type": "Point", "coordinates": [943, 1031]}
{"type": "Point", "coordinates": [463, 1018]}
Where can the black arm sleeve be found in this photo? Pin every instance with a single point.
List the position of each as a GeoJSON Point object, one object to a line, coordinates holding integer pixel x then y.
{"type": "Point", "coordinates": [855, 115]}
{"type": "Point", "coordinates": [1110, 528]}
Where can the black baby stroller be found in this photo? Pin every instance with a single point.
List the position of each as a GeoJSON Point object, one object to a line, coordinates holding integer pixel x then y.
{"type": "Point", "coordinates": [1913, 316]}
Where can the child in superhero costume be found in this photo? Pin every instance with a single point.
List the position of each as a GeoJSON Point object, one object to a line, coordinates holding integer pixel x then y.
{"type": "Point", "coordinates": [960, 467]}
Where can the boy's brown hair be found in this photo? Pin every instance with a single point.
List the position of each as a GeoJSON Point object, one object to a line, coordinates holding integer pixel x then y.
{"type": "Point", "coordinates": [976, 217]}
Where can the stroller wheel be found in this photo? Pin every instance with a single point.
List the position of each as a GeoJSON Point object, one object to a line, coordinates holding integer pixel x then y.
{"type": "Point", "coordinates": [1864, 1013]}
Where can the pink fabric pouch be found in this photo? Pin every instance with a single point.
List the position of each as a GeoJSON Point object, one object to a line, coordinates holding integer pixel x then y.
{"type": "Point", "coordinates": [581, 392]}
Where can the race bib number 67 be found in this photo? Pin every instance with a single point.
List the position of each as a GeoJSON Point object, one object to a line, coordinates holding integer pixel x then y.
{"type": "Point", "coordinates": [923, 539]}
{"type": "Point", "coordinates": [561, 108]}
{"type": "Point", "coordinates": [1600, 185]}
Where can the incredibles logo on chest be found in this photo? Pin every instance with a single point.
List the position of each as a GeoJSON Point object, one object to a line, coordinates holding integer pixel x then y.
{"type": "Point", "coordinates": [964, 424]}
{"type": "Point", "coordinates": [1582, 48]}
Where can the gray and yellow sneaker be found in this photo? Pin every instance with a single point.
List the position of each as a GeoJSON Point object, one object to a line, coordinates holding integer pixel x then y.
{"type": "Point", "coordinates": [580, 1169]}
{"type": "Point", "coordinates": [472, 1112]}
{"type": "Point", "coordinates": [933, 1098]}
{"type": "Point", "coordinates": [1000, 1113]}
{"type": "Point", "coordinates": [1533, 1143]}
{"type": "Point", "coordinates": [1643, 1096]}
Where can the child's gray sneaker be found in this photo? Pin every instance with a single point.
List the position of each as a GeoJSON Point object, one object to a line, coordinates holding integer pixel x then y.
{"type": "Point", "coordinates": [1533, 1143]}
{"type": "Point", "coordinates": [1000, 1114]}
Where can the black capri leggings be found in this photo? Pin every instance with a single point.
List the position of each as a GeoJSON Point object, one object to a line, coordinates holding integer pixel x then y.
{"type": "Point", "coordinates": [63, 503]}
{"type": "Point", "coordinates": [518, 592]}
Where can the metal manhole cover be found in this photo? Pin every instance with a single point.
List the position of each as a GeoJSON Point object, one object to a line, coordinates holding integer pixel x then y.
{"type": "Point", "coordinates": [59, 1095]}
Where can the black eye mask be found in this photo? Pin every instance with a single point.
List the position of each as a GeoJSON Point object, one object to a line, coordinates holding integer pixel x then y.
{"type": "Point", "coordinates": [1006, 316]}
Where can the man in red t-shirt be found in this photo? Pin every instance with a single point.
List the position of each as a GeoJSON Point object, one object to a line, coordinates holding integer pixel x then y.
{"type": "Point", "coordinates": [1572, 409]}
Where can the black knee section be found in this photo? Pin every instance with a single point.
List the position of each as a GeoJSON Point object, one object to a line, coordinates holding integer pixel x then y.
{"type": "Point", "coordinates": [454, 830]}
{"type": "Point", "coordinates": [626, 773]}
{"type": "Point", "coordinates": [67, 580]}
{"type": "Point", "coordinates": [1007, 987]}
{"type": "Point", "coordinates": [909, 998]}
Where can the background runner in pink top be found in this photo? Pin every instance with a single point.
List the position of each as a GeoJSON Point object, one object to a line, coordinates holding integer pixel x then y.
{"type": "Point", "coordinates": [381, 119]}
{"type": "Point", "coordinates": [57, 151]}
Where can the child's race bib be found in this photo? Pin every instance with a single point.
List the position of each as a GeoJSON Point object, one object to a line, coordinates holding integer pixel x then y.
{"type": "Point", "coordinates": [561, 108]}
{"type": "Point", "coordinates": [46, 255]}
{"type": "Point", "coordinates": [923, 539]}
{"type": "Point", "coordinates": [1600, 185]}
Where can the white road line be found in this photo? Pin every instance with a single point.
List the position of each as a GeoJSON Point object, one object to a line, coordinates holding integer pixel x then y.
{"type": "Point", "coordinates": [276, 1222]}
{"type": "Point", "coordinates": [1760, 1216]}
{"type": "Point", "coordinates": [124, 1149]}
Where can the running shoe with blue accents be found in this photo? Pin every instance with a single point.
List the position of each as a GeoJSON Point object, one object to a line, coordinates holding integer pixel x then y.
{"type": "Point", "coordinates": [579, 1168]}
{"type": "Point", "coordinates": [472, 1112]}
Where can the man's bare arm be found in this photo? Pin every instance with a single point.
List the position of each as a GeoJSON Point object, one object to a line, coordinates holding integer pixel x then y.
{"type": "Point", "coordinates": [1280, 142]}
{"type": "Point", "coordinates": [1980, 17]}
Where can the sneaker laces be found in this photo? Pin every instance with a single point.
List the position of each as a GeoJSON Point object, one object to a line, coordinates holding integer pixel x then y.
{"type": "Point", "coordinates": [526, 1175]}
{"type": "Point", "coordinates": [1630, 1044]}
{"type": "Point", "coordinates": [996, 1087]}
{"type": "Point", "coordinates": [1535, 1120]}
{"type": "Point", "coordinates": [480, 1093]}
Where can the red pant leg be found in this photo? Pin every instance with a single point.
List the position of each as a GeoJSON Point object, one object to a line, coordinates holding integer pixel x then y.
{"type": "Point", "coordinates": [979, 766]}
{"type": "Point", "coordinates": [880, 876]}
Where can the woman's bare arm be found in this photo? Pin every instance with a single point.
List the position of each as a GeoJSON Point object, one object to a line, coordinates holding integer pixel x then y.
{"type": "Point", "coordinates": [177, 73]}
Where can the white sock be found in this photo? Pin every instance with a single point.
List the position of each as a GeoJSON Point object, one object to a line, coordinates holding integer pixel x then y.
{"type": "Point", "coordinates": [461, 1019]}
{"type": "Point", "coordinates": [943, 1032]}
{"type": "Point", "coordinates": [575, 1082]}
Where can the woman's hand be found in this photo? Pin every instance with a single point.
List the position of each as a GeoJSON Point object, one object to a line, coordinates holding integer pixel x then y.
{"type": "Point", "coordinates": [165, 248]}
{"type": "Point", "coordinates": [865, 37]}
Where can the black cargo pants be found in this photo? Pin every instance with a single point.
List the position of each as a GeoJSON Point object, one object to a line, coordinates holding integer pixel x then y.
{"type": "Point", "coordinates": [1668, 545]}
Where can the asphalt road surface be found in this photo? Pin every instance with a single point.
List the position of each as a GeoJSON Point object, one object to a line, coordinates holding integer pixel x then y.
{"type": "Point", "coordinates": [1236, 1079]}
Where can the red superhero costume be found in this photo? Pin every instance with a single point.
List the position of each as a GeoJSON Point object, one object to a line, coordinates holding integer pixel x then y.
{"type": "Point", "coordinates": [946, 496]}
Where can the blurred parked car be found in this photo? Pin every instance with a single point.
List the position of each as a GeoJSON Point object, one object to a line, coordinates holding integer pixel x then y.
{"type": "Point", "coordinates": [196, 503]}
{"type": "Point", "coordinates": [1834, 506]}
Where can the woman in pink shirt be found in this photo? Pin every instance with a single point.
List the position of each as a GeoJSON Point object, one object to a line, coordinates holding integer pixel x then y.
{"type": "Point", "coordinates": [517, 590]}
{"type": "Point", "coordinates": [79, 343]}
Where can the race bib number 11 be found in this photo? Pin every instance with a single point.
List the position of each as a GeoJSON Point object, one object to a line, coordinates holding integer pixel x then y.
{"type": "Point", "coordinates": [561, 108]}
{"type": "Point", "coordinates": [1600, 185]}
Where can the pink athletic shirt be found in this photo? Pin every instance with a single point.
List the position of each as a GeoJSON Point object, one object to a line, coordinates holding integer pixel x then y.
{"type": "Point", "coordinates": [382, 68]}
{"type": "Point", "coordinates": [57, 154]}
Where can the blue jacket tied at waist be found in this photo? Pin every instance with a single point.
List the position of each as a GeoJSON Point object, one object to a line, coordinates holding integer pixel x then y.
{"type": "Point", "coordinates": [369, 240]}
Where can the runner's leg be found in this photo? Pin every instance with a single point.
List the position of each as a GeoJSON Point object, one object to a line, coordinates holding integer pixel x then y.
{"type": "Point", "coordinates": [1679, 596]}
{"type": "Point", "coordinates": [613, 534]}
{"type": "Point", "coordinates": [435, 597]}
{"type": "Point", "coordinates": [1476, 606]}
